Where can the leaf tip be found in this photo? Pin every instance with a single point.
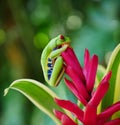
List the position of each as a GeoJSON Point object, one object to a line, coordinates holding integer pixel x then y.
{"type": "Point", "coordinates": [6, 91]}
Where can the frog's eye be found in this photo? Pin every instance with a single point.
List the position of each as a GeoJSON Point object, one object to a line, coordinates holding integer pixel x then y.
{"type": "Point", "coordinates": [62, 37]}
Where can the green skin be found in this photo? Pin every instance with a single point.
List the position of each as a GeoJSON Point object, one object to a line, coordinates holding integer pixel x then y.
{"type": "Point", "coordinates": [54, 55]}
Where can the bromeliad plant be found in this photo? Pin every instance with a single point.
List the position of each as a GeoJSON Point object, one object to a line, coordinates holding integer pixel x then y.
{"type": "Point", "coordinates": [82, 85]}
{"type": "Point", "coordinates": [96, 88]}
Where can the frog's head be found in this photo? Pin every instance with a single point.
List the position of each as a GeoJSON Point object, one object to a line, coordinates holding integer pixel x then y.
{"type": "Point", "coordinates": [61, 40]}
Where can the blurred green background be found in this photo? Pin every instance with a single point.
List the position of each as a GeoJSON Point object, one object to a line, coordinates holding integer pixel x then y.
{"type": "Point", "coordinates": [26, 26]}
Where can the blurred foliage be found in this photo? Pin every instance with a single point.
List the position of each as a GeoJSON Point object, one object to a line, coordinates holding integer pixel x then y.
{"type": "Point", "coordinates": [26, 27]}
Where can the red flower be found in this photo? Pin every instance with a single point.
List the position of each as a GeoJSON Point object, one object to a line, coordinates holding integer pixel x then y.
{"type": "Point", "coordinates": [82, 86]}
{"type": "Point", "coordinates": [83, 79]}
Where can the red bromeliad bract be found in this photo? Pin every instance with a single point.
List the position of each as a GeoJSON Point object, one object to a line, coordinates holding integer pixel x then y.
{"type": "Point", "coordinates": [82, 86]}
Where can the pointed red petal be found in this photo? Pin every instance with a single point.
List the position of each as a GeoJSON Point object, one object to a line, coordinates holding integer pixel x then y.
{"type": "Point", "coordinates": [86, 62]}
{"type": "Point", "coordinates": [113, 122]}
{"type": "Point", "coordinates": [99, 94]}
{"type": "Point", "coordinates": [100, 91]}
{"type": "Point", "coordinates": [67, 121]}
{"type": "Point", "coordinates": [77, 82]}
{"type": "Point", "coordinates": [58, 114]}
{"type": "Point", "coordinates": [64, 118]}
{"type": "Point", "coordinates": [70, 59]}
{"type": "Point", "coordinates": [107, 77]}
{"type": "Point", "coordinates": [107, 113]}
{"type": "Point", "coordinates": [90, 115]}
{"type": "Point", "coordinates": [71, 86]}
{"type": "Point", "coordinates": [71, 107]}
{"type": "Point", "coordinates": [89, 70]}
{"type": "Point", "coordinates": [90, 80]}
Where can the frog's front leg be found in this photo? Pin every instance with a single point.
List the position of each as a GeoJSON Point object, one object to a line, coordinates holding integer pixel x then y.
{"type": "Point", "coordinates": [55, 53]}
{"type": "Point", "coordinates": [57, 72]}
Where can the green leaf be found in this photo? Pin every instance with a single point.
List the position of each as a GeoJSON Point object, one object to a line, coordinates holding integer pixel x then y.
{"type": "Point", "coordinates": [41, 96]}
{"type": "Point", "coordinates": [99, 76]}
{"type": "Point", "coordinates": [113, 93]}
{"type": "Point", "coordinates": [117, 92]}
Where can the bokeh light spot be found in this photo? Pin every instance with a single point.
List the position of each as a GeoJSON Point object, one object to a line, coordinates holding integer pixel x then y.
{"type": "Point", "coordinates": [40, 40]}
{"type": "Point", "coordinates": [2, 36]}
{"type": "Point", "coordinates": [74, 22]}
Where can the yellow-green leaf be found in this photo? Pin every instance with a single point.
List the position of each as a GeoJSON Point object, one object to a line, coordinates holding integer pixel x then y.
{"type": "Point", "coordinates": [99, 76]}
{"type": "Point", "coordinates": [40, 95]}
{"type": "Point", "coordinates": [113, 93]}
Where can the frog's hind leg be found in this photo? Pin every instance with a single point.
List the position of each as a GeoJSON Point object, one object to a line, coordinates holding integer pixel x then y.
{"type": "Point", "coordinates": [57, 72]}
